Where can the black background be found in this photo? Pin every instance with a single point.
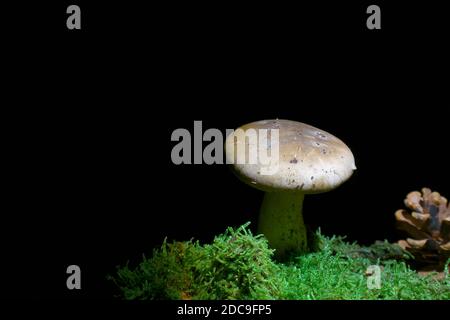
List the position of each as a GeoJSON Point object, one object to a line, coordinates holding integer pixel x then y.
{"type": "Point", "coordinates": [90, 114]}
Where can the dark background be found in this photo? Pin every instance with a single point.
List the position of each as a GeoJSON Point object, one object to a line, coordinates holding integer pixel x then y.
{"type": "Point", "coordinates": [90, 114]}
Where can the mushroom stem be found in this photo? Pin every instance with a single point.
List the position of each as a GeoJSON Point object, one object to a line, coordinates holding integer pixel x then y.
{"type": "Point", "coordinates": [281, 222]}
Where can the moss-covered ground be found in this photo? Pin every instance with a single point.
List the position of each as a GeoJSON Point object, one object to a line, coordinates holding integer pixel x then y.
{"type": "Point", "coordinates": [239, 265]}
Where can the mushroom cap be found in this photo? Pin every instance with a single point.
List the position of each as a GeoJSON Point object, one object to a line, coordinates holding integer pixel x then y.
{"type": "Point", "coordinates": [310, 159]}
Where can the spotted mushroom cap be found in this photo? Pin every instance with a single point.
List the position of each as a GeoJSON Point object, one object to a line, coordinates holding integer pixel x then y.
{"type": "Point", "coordinates": [310, 160]}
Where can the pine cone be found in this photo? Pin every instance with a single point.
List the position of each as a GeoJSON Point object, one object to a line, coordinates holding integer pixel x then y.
{"type": "Point", "coordinates": [428, 226]}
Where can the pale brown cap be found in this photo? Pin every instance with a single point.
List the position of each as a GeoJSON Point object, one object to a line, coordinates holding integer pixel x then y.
{"type": "Point", "coordinates": [310, 159]}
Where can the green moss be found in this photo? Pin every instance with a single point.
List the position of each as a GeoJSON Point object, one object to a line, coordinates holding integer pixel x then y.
{"type": "Point", "coordinates": [238, 265]}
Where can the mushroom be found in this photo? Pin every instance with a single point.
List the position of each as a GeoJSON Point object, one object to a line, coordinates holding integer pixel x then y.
{"type": "Point", "coordinates": [309, 161]}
